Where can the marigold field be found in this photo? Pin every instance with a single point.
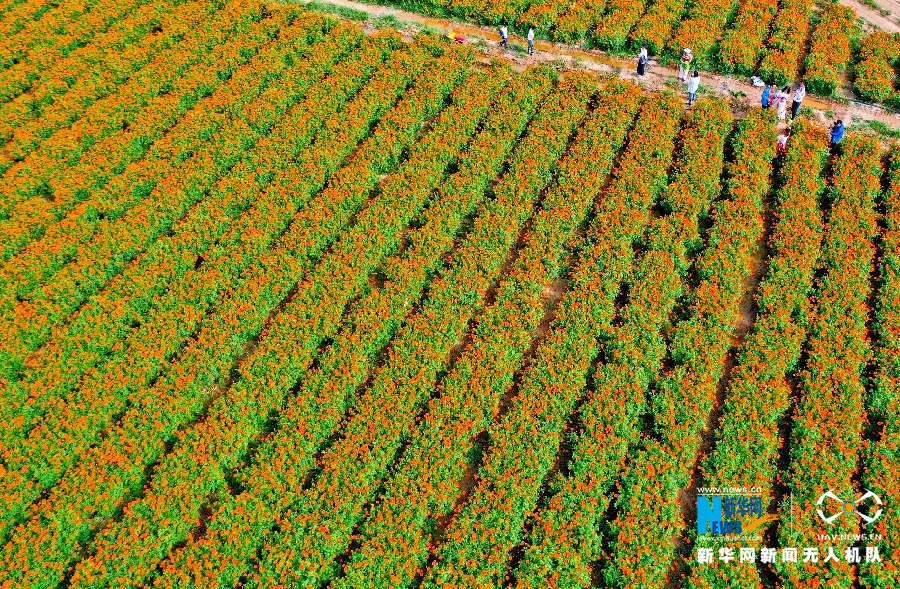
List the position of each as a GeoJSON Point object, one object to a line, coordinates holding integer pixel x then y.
{"type": "Point", "coordinates": [288, 304]}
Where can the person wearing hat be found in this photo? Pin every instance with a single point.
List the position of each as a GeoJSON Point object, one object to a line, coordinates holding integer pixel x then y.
{"type": "Point", "coordinates": [684, 65]}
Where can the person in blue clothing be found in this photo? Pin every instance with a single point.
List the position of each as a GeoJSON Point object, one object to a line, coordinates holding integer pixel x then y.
{"type": "Point", "coordinates": [766, 95]}
{"type": "Point", "coordinates": [837, 133]}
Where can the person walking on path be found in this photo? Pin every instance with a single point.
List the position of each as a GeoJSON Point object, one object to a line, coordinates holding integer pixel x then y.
{"type": "Point", "coordinates": [504, 37]}
{"type": "Point", "coordinates": [766, 96]}
{"type": "Point", "coordinates": [783, 97]}
{"type": "Point", "coordinates": [837, 133]}
{"type": "Point", "coordinates": [530, 40]}
{"type": "Point", "coordinates": [642, 61]}
{"type": "Point", "coordinates": [799, 95]}
{"type": "Point", "coordinates": [684, 65]}
{"type": "Point", "coordinates": [692, 86]}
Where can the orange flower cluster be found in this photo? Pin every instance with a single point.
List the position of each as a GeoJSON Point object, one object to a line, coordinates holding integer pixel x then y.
{"type": "Point", "coordinates": [785, 45]}
{"type": "Point", "coordinates": [742, 45]}
{"type": "Point", "coordinates": [648, 503]}
{"type": "Point", "coordinates": [49, 389]}
{"type": "Point", "coordinates": [312, 416]}
{"type": "Point", "coordinates": [319, 525]}
{"type": "Point", "coordinates": [747, 441]}
{"type": "Point", "coordinates": [829, 52]}
{"type": "Point", "coordinates": [424, 487]}
{"type": "Point", "coordinates": [578, 21]}
{"type": "Point", "coordinates": [564, 541]}
{"type": "Point", "coordinates": [615, 24]}
{"type": "Point", "coordinates": [131, 220]}
{"type": "Point", "coordinates": [41, 42]}
{"type": "Point", "coordinates": [127, 553]}
{"type": "Point", "coordinates": [655, 27]}
{"type": "Point", "coordinates": [96, 71]}
{"type": "Point", "coordinates": [701, 29]}
{"type": "Point", "coordinates": [79, 160]}
{"type": "Point", "coordinates": [827, 433]}
{"type": "Point", "coordinates": [523, 443]}
{"type": "Point", "coordinates": [882, 462]}
{"type": "Point", "coordinates": [118, 464]}
{"type": "Point", "coordinates": [875, 74]}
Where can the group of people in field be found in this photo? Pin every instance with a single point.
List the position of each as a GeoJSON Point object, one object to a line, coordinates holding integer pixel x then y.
{"type": "Point", "coordinates": [771, 97]}
{"type": "Point", "coordinates": [685, 73]}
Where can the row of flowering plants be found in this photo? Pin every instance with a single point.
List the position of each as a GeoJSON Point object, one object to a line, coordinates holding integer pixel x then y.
{"type": "Point", "coordinates": [875, 74]}
{"type": "Point", "coordinates": [330, 389]}
{"type": "Point", "coordinates": [118, 464]}
{"type": "Point", "coordinates": [67, 430]}
{"type": "Point", "coordinates": [424, 487]}
{"type": "Point", "coordinates": [784, 47]}
{"type": "Point", "coordinates": [741, 46]}
{"type": "Point", "coordinates": [220, 130]}
{"type": "Point", "coordinates": [400, 388]}
{"type": "Point", "coordinates": [523, 443]}
{"type": "Point", "coordinates": [564, 541]}
{"type": "Point", "coordinates": [93, 73]}
{"type": "Point", "coordinates": [52, 36]}
{"type": "Point", "coordinates": [830, 417]}
{"type": "Point", "coordinates": [157, 279]}
{"type": "Point", "coordinates": [701, 29]}
{"type": "Point", "coordinates": [881, 472]}
{"type": "Point", "coordinates": [655, 26]}
{"type": "Point", "coordinates": [758, 394]}
{"type": "Point", "coordinates": [578, 21]}
{"type": "Point", "coordinates": [829, 51]}
{"type": "Point", "coordinates": [616, 23]}
{"type": "Point", "coordinates": [16, 14]}
{"type": "Point", "coordinates": [641, 537]}
{"type": "Point", "coordinates": [77, 161]}
{"type": "Point", "coordinates": [129, 552]}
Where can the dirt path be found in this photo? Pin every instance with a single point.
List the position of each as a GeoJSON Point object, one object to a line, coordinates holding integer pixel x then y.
{"type": "Point", "coordinates": [873, 17]}
{"type": "Point", "coordinates": [740, 92]}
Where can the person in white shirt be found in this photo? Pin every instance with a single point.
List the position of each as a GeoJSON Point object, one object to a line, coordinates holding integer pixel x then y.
{"type": "Point", "coordinates": [504, 36]}
{"type": "Point", "coordinates": [783, 98]}
{"type": "Point", "coordinates": [799, 95]}
{"type": "Point", "coordinates": [692, 86]}
{"type": "Point", "coordinates": [643, 58]}
{"type": "Point", "coordinates": [530, 40]}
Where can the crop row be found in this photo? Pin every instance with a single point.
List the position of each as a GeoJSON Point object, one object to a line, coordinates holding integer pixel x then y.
{"type": "Point", "coordinates": [79, 160]}
{"type": "Point", "coordinates": [701, 30]}
{"type": "Point", "coordinates": [54, 34]}
{"type": "Point", "coordinates": [398, 390]}
{"type": "Point", "coordinates": [829, 52]}
{"type": "Point", "coordinates": [785, 44]}
{"type": "Point", "coordinates": [655, 26]}
{"type": "Point", "coordinates": [875, 75]}
{"type": "Point", "coordinates": [758, 394]}
{"type": "Point", "coordinates": [114, 240]}
{"type": "Point", "coordinates": [826, 437]}
{"type": "Point", "coordinates": [17, 13]}
{"type": "Point", "coordinates": [328, 391]}
{"type": "Point", "coordinates": [94, 72]}
{"type": "Point", "coordinates": [90, 339]}
{"type": "Point", "coordinates": [129, 552]}
{"type": "Point", "coordinates": [641, 536]}
{"type": "Point", "coordinates": [423, 486]}
{"type": "Point", "coordinates": [36, 51]}
{"type": "Point", "coordinates": [73, 422]}
{"type": "Point", "coordinates": [117, 465]}
{"type": "Point", "coordinates": [522, 444]}
{"type": "Point", "coordinates": [882, 461]}
{"type": "Point", "coordinates": [564, 541]}
{"type": "Point", "coordinates": [743, 43]}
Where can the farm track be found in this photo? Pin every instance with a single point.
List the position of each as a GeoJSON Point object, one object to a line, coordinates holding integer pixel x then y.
{"type": "Point", "coordinates": [571, 52]}
{"type": "Point", "coordinates": [354, 309]}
